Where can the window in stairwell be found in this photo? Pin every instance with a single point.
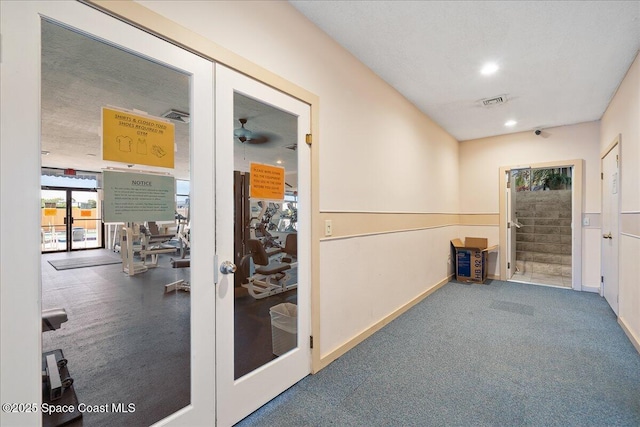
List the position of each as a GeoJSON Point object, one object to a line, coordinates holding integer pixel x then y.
{"type": "Point", "coordinates": [543, 179]}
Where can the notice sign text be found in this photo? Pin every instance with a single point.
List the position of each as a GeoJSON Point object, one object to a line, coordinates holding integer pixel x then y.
{"type": "Point", "coordinates": [136, 197]}
{"type": "Point", "coordinates": [135, 139]}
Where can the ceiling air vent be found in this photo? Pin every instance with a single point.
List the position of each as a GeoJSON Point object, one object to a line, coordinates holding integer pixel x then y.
{"type": "Point", "coordinates": [496, 100]}
{"type": "Point", "coordinates": [176, 115]}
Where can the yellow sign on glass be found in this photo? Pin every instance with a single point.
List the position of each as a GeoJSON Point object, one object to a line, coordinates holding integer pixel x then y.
{"type": "Point", "coordinates": [135, 139]}
{"type": "Point", "coordinates": [50, 211]}
{"type": "Point", "coordinates": [267, 182]}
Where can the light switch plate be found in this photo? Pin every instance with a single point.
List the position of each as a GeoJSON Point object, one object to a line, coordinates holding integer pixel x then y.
{"type": "Point", "coordinates": [328, 228]}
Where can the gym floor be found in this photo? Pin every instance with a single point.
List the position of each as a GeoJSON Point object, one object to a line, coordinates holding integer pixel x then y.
{"type": "Point", "coordinates": [126, 341]}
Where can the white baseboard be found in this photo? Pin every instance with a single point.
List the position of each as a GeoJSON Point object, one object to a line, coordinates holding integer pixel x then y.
{"type": "Point", "coordinates": [634, 340]}
{"type": "Point", "coordinates": [594, 289]}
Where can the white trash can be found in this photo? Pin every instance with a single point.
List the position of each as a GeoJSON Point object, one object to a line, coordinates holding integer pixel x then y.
{"type": "Point", "coordinates": [284, 327]}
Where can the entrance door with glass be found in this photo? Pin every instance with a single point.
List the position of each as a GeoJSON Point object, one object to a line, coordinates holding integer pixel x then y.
{"type": "Point", "coordinates": [70, 220]}
{"type": "Point", "coordinates": [138, 355]}
{"type": "Point", "coordinates": [263, 313]}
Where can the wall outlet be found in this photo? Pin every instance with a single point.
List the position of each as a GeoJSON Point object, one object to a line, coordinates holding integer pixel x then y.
{"type": "Point", "coordinates": [328, 228]}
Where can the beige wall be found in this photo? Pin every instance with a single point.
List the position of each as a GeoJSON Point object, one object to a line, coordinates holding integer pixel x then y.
{"type": "Point", "coordinates": [622, 117]}
{"type": "Point", "coordinates": [382, 166]}
{"type": "Point", "coordinates": [387, 168]}
{"type": "Point", "coordinates": [481, 159]}
{"type": "Point", "coordinates": [377, 151]}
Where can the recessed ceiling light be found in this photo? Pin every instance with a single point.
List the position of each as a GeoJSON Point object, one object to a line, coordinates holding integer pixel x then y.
{"type": "Point", "coordinates": [510, 123]}
{"type": "Point", "coordinates": [489, 68]}
{"type": "Point", "coordinates": [279, 162]}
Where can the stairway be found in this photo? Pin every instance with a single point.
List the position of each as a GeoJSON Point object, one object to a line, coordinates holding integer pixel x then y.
{"type": "Point", "coordinates": [543, 243]}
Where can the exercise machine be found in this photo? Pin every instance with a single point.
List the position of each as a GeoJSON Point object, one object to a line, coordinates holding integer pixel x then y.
{"type": "Point", "coordinates": [264, 277]}
{"type": "Point", "coordinates": [57, 384]}
{"type": "Point", "coordinates": [179, 285]}
{"type": "Point", "coordinates": [183, 233]}
{"type": "Point", "coordinates": [135, 238]}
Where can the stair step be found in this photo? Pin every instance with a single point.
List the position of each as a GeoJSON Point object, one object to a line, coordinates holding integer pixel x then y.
{"type": "Point", "coordinates": [526, 267]}
{"type": "Point", "coordinates": [558, 259]}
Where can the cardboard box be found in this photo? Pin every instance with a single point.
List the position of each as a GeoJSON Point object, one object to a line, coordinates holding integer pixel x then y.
{"type": "Point", "coordinates": [471, 259]}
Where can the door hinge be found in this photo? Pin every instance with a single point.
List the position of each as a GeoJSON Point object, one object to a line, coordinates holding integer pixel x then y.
{"type": "Point", "coordinates": [601, 175]}
{"type": "Point", "coordinates": [508, 225]}
{"type": "Point", "coordinates": [508, 265]}
{"type": "Point", "coordinates": [308, 139]}
{"type": "Point", "coordinates": [508, 184]}
{"type": "Point", "coordinates": [311, 341]}
{"type": "Point", "coordinates": [601, 279]}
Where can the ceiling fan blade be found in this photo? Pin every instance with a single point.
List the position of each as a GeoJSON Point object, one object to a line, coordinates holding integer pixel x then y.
{"type": "Point", "coordinates": [258, 139]}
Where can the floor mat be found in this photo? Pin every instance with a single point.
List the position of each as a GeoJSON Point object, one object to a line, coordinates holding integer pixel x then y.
{"type": "Point", "coordinates": [66, 264]}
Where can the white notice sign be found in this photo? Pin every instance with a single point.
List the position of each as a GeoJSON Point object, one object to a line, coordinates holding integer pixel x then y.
{"type": "Point", "coordinates": [138, 197]}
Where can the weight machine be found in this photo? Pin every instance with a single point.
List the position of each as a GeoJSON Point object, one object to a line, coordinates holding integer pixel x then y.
{"type": "Point", "coordinates": [265, 277]}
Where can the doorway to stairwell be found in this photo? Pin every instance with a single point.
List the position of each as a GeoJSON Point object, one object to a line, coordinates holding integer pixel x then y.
{"type": "Point", "coordinates": [542, 205]}
{"type": "Point", "coordinates": [542, 225]}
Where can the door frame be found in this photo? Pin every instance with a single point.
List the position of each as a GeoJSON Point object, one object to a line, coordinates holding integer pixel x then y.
{"type": "Point", "coordinates": [139, 16]}
{"type": "Point", "coordinates": [576, 215]}
{"type": "Point", "coordinates": [615, 144]}
{"type": "Point", "coordinates": [510, 209]}
{"type": "Point", "coordinates": [21, 291]}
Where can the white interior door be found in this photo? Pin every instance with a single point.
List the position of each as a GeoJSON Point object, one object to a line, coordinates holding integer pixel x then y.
{"type": "Point", "coordinates": [20, 177]}
{"type": "Point", "coordinates": [610, 227]}
{"type": "Point", "coordinates": [278, 124]}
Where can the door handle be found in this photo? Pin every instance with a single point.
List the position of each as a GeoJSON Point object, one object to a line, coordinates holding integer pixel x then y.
{"type": "Point", "coordinates": [607, 236]}
{"type": "Point", "coordinates": [228, 267]}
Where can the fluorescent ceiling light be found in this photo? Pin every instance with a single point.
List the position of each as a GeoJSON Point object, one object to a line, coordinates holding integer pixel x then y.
{"type": "Point", "coordinates": [510, 123]}
{"type": "Point", "coordinates": [489, 68]}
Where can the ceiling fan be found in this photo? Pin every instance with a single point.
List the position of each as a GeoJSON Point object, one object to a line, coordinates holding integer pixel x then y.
{"type": "Point", "coordinates": [245, 135]}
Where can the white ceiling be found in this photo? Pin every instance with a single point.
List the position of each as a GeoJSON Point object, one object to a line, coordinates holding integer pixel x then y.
{"type": "Point", "coordinates": [560, 61]}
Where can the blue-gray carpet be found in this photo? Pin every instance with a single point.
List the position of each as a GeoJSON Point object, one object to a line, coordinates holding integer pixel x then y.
{"type": "Point", "coordinates": [501, 354]}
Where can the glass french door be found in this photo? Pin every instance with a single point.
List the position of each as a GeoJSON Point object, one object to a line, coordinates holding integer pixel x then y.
{"type": "Point", "coordinates": [39, 39]}
{"type": "Point", "coordinates": [263, 227]}
{"type": "Point", "coordinates": [70, 220]}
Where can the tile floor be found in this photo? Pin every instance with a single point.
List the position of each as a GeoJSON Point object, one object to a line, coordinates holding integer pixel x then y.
{"type": "Point", "coordinates": [542, 279]}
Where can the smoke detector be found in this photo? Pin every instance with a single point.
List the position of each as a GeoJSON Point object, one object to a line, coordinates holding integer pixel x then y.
{"type": "Point", "coordinates": [178, 116]}
{"type": "Point", "coordinates": [492, 102]}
